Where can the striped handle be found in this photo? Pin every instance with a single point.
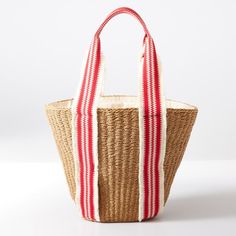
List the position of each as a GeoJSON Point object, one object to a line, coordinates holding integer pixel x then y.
{"type": "Point", "coordinates": [151, 129]}
{"type": "Point", "coordinates": [120, 11]}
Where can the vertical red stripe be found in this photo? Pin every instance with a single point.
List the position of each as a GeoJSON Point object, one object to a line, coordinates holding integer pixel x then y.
{"type": "Point", "coordinates": [86, 134]}
{"type": "Point", "coordinates": [151, 120]}
{"type": "Point", "coordinates": [90, 126]}
{"type": "Point", "coordinates": [86, 111]}
{"type": "Point", "coordinates": [84, 120]}
{"type": "Point", "coordinates": [154, 117]}
{"type": "Point", "coordinates": [79, 139]}
{"type": "Point", "coordinates": [146, 134]}
{"type": "Point", "coordinates": [158, 126]}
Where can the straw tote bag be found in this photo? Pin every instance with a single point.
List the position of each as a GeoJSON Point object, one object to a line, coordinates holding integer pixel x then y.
{"type": "Point", "coordinates": [120, 154]}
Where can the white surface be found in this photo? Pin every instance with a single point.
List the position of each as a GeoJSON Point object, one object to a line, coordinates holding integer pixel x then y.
{"type": "Point", "coordinates": [42, 44]}
{"type": "Point", "coordinates": [34, 201]}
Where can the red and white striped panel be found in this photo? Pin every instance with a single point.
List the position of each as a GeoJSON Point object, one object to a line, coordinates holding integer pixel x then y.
{"type": "Point", "coordinates": [85, 137]}
{"type": "Point", "coordinates": [153, 133]}
{"type": "Point", "coordinates": [152, 127]}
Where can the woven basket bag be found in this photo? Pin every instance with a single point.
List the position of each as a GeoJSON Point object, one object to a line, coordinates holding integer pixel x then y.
{"type": "Point", "coordinates": [117, 191]}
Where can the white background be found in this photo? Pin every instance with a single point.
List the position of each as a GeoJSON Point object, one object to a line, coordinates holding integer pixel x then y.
{"type": "Point", "coordinates": [43, 43]}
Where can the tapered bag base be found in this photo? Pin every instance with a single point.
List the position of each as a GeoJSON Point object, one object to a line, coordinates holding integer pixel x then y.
{"type": "Point", "coordinates": [118, 147]}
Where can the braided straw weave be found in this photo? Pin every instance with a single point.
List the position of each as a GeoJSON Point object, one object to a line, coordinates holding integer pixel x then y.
{"type": "Point", "coordinates": [118, 153]}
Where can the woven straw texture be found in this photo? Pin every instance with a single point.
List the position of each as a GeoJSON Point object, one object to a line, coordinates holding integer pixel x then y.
{"type": "Point", "coordinates": [118, 153]}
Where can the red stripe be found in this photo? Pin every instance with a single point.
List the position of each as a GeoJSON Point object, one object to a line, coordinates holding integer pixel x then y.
{"type": "Point", "coordinates": [79, 139]}
{"type": "Point", "coordinates": [90, 160]}
{"type": "Point", "coordinates": [152, 127]}
{"type": "Point", "coordinates": [88, 134]}
{"type": "Point", "coordinates": [84, 112]}
{"type": "Point", "coordinates": [120, 11]}
{"type": "Point", "coordinates": [158, 126]}
{"type": "Point", "coordinates": [154, 118]}
{"type": "Point", "coordinates": [155, 157]}
{"type": "Point", "coordinates": [146, 135]}
{"type": "Point", "coordinates": [82, 140]}
{"type": "Point", "coordinates": [90, 126]}
{"type": "Point", "coordinates": [85, 124]}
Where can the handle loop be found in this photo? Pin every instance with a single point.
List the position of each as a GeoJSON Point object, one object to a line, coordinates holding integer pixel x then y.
{"type": "Point", "coordinates": [122, 10]}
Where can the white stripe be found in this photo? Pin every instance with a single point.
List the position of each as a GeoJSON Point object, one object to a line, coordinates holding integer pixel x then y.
{"type": "Point", "coordinates": [95, 138]}
{"type": "Point", "coordinates": [163, 140]}
{"type": "Point", "coordinates": [94, 113]}
{"type": "Point", "coordinates": [141, 142]}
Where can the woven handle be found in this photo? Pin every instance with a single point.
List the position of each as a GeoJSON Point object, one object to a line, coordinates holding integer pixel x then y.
{"type": "Point", "coordinates": [151, 129]}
